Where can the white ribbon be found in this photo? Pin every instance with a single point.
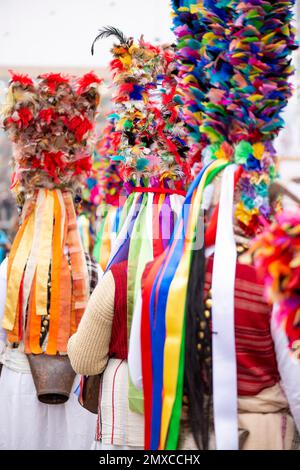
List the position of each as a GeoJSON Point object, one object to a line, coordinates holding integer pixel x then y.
{"type": "Point", "coordinates": [224, 354]}
{"type": "Point", "coordinates": [176, 202]}
{"type": "Point", "coordinates": [134, 351]}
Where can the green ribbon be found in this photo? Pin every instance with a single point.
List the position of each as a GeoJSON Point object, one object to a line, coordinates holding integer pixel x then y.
{"type": "Point", "coordinates": [140, 253]}
{"type": "Point", "coordinates": [98, 243]}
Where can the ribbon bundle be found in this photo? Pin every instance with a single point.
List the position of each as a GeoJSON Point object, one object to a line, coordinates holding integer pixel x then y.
{"type": "Point", "coordinates": [163, 325]}
{"type": "Point", "coordinates": [39, 259]}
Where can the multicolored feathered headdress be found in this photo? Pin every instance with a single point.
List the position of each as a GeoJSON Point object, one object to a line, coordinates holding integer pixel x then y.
{"type": "Point", "coordinates": [49, 121]}
{"type": "Point", "coordinates": [106, 167]}
{"type": "Point", "coordinates": [235, 59]}
{"type": "Point", "coordinates": [107, 192]}
{"type": "Point", "coordinates": [189, 91]}
{"type": "Point", "coordinates": [235, 86]}
{"type": "Point", "coordinates": [277, 257]}
{"type": "Point", "coordinates": [152, 149]}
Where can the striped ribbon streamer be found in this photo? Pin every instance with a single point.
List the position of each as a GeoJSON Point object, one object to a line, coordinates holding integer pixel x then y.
{"type": "Point", "coordinates": [48, 230]}
{"type": "Point", "coordinates": [166, 312]}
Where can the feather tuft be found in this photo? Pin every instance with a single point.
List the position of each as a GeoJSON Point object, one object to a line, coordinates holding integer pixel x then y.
{"type": "Point", "coordinates": [109, 31]}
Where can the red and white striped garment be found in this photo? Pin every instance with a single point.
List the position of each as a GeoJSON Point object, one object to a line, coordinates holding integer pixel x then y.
{"type": "Point", "coordinates": [256, 359]}
{"type": "Point", "coordinates": [117, 424]}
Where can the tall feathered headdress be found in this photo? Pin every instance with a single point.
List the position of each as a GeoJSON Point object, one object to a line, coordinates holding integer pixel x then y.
{"type": "Point", "coordinates": [50, 122]}
{"type": "Point", "coordinates": [237, 85]}
{"type": "Point", "coordinates": [152, 149]}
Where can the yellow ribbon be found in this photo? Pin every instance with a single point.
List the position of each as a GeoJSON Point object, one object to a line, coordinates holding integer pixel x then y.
{"type": "Point", "coordinates": [45, 251]}
{"type": "Point", "coordinates": [15, 274]}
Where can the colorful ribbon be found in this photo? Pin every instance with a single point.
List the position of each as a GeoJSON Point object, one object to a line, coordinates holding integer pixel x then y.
{"type": "Point", "coordinates": [166, 318]}
{"type": "Point", "coordinates": [159, 190]}
{"type": "Point", "coordinates": [39, 253]}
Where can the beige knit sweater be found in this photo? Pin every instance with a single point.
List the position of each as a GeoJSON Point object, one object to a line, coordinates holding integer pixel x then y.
{"type": "Point", "coordinates": [88, 351]}
{"type": "Point", "coordinates": [88, 348]}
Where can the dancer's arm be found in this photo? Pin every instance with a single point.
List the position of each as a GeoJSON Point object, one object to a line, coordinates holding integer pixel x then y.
{"type": "Point", "coordinates": [88, 348]}
{"type": "Point", "coordinates": [289, 370]}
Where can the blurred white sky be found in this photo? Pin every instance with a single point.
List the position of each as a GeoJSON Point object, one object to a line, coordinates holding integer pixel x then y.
{"type": "Point", "coordinates": [60, 32]}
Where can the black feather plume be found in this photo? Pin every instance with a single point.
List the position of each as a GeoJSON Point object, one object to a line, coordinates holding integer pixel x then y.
{"type": "Point", "coordinates": [107, 32]}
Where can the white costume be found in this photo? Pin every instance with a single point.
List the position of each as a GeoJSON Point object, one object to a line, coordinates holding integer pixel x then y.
{"type": "Point", "coordinates": [25, 422]}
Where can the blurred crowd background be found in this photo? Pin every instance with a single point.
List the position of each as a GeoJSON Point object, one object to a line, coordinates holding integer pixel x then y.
{"type": "Point", "coordinates": [56, 35]}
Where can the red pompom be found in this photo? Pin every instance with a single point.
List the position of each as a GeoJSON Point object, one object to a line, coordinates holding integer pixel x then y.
{"type": "Point", "coordinates": [80, 126]}
{"type": "Point", "coordinates": [88, 79]}
{"type": "Point", "coordinates": [22, 79]}
{"type": "Point", "coordinates": [53, 80]}
{"type": "Point", "coordinates": [47, 115]}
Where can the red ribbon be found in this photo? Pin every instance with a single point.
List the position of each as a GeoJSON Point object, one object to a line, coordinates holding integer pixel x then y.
{"type": "Point", "coordinates": [157, 238]}
{"type": "Point", "coordinates": [147, 283]}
